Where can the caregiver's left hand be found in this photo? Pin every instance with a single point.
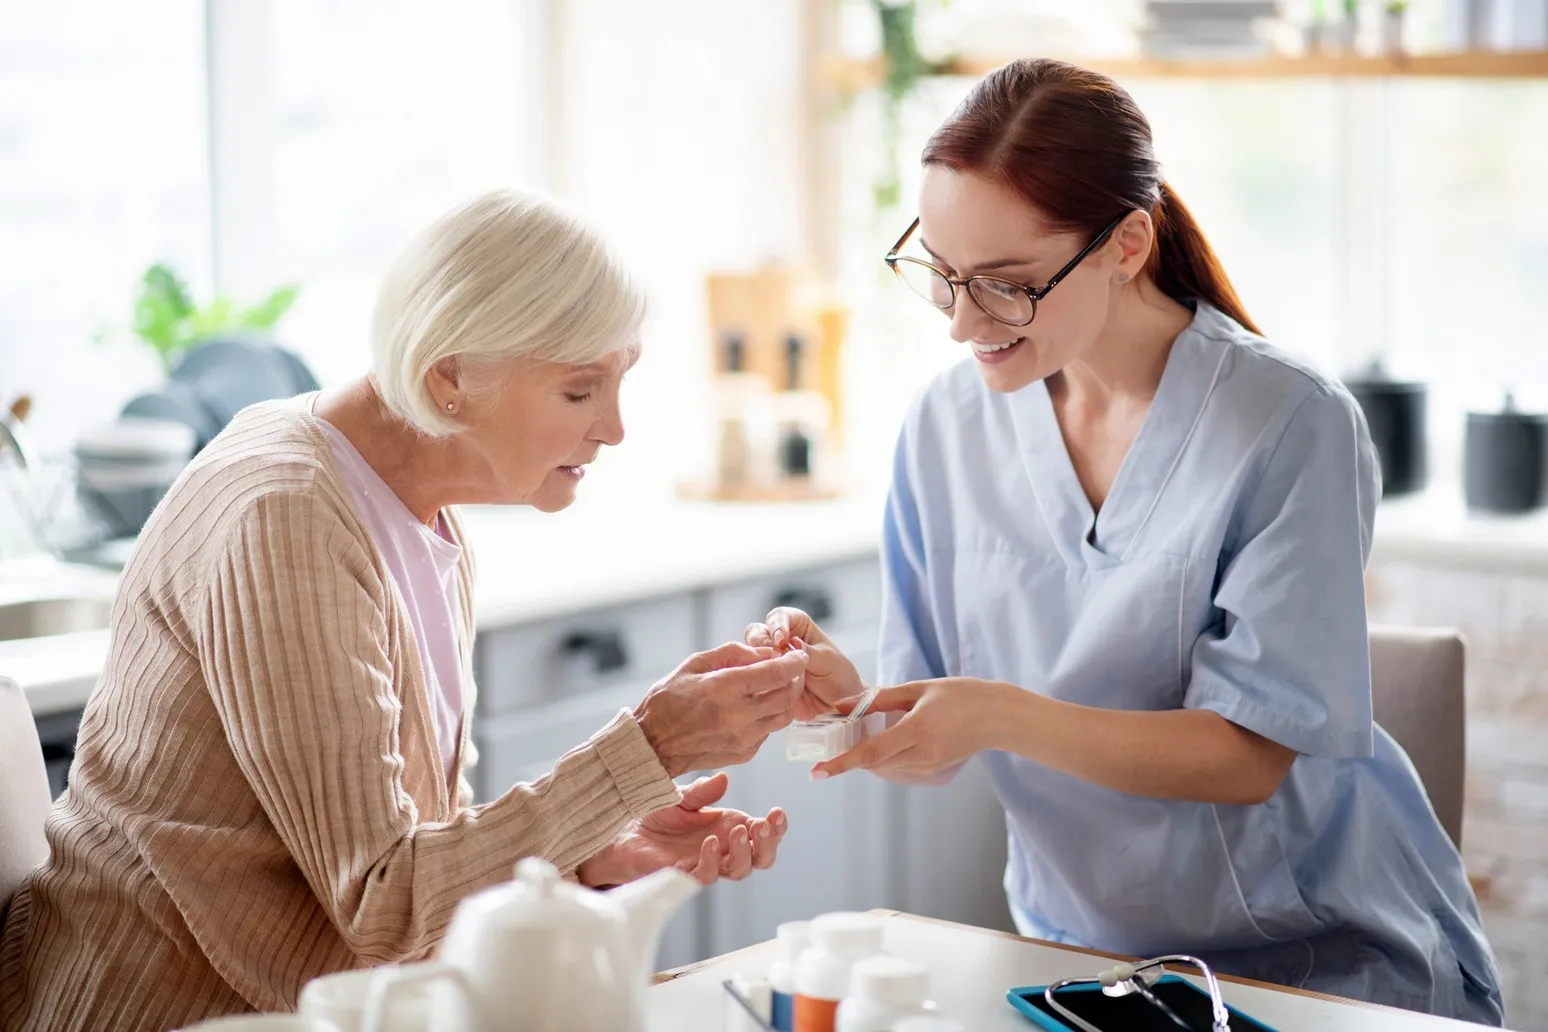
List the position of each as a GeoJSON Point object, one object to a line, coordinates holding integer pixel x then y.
{"type": "Point", "coordinates": [945, 721]}
{"type": "Point", "coordinates": [705, 841]}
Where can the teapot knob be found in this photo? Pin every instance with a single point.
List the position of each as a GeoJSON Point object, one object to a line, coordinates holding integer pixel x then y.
{"type": "Point", "coordinates": [537, 874]}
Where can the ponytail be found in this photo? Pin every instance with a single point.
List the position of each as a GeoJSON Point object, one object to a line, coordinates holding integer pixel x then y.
{"type": "Point", "coordinates": [1183, 264]}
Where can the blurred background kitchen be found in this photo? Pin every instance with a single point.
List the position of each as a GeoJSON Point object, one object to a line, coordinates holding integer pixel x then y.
{"type": "Point", "coordinates": [186, 185]}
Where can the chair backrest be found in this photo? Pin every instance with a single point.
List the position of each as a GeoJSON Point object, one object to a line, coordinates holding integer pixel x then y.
{"type": "Point", "coordinates": [1417, 691]}
{"type": "Point", "coordinates": [25, 797]}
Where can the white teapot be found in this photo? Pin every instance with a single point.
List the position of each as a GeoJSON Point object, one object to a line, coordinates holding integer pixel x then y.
{"type": "Point", "coordinates": [540, 954]}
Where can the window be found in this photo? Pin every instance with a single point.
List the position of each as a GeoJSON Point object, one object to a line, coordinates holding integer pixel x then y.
{"type": "Point", "coordinates": [1358, 218]}
{"type": "Point", "coordinates": [387, 115]}
{"type": "Point", "coordinates": [1469, 251]}
{"type": "Point", "coordinates": [247, 143]}
{"type": "Point", "coordinates": [102, 172]}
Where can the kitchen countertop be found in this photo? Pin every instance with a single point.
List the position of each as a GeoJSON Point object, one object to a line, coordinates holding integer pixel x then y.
{"type": "Point", "coordinates": [1435, 528]}
{"type": "Point", "coordinates": [972, 968]}
{"type": "Point", "coordinates": [531, 566]}
{"type": "Point", "coordinates": [606, 551]}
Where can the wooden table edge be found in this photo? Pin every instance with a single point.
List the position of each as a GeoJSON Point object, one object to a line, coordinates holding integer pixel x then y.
{"type": "Point", "coordinates": [689, 969]}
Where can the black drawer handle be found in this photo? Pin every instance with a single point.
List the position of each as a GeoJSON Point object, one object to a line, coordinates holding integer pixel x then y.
{"type": "Point", "coordinates": [814, 602]}
{"type": "Point", "coordinates": [606, 648]}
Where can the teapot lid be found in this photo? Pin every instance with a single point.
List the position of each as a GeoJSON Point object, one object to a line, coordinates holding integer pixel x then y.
{"type": "Point", "coordinates": [538, 875]}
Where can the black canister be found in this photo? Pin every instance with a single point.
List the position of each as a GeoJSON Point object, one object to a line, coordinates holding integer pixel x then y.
{"type": "Point", "coordinates": [1395, 413]}
{"type": "Point", "coordinates": [1505, 459]}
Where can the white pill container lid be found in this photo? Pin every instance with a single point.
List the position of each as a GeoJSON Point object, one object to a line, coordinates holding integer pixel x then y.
{"type": "Point", "coordinates": [848, 934]}
{"type": "Point", "coordinates": [890, 981]}
{"type": "Point", "coordinates": [838, 940]}
{"type": "Point", "coordinates": [791, 939]}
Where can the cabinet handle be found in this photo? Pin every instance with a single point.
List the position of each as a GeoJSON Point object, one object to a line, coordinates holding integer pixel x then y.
{"type": "Point", "coordinates": [814, 602]}
{"type": "Point", "coordinates": [606, 648]}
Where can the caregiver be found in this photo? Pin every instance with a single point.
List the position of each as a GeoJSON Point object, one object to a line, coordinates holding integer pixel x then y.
{"type": "Point", "coordinates": [1123, 558]}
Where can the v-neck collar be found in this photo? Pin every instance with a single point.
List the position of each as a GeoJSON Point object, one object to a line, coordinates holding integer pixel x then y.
{"type": "Point", "coordinates": [1084, 537]}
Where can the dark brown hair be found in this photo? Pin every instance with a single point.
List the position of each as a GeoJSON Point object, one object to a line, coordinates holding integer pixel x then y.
{"type": "Point", "coordinates": [1076, 146]}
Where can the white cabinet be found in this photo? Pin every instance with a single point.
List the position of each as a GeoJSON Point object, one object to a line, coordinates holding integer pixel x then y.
{"type": "Point", "coordinates": [554, 660]}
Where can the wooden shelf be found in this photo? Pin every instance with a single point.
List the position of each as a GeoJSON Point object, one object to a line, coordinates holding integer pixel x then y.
{"type": "Point", "coordinates": [851, 75]}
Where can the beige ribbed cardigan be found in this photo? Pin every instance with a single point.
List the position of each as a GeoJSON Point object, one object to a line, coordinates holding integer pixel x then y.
{"type": "Point", "coordinates": [257, 796]}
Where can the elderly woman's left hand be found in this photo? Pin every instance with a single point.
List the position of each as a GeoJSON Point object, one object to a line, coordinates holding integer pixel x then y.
{"type": "Point", "coordinates": [705, 841]}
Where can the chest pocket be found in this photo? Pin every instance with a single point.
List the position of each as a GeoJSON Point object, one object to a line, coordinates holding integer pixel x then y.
{"type": "Point", "coordinates": [1110, 636]}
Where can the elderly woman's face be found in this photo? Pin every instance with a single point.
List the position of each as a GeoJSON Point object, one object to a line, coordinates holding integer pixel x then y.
{"type": "Point", "coordinates": [541, 423]}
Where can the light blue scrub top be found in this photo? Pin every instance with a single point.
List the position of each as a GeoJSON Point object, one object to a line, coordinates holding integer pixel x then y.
{"type": "Point", "coordinates": [1225, 573]}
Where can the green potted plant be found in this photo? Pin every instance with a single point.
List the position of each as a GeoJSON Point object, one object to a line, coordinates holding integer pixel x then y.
{"type": "Point", "coordinates": [1394, 14]}
{"type": "Point", "coordinates": [1349, 28]}
{"type": "Point", "coordinates": [904, 68]}
{"type": "Point", "coordinates": [168, 320]}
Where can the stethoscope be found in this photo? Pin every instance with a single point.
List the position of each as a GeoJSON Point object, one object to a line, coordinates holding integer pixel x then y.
{"type": "Point", "coordinates": [1135, 980]}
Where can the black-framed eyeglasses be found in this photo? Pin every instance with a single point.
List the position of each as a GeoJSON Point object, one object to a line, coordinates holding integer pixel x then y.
{"type": "Point", "coordinates": [1014, 304]}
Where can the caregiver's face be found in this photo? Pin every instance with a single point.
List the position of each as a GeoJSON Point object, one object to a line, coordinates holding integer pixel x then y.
{"type": "Point", "coordinates": [536, 425]}
{"type": "Point", "coordinates": [971, 225]}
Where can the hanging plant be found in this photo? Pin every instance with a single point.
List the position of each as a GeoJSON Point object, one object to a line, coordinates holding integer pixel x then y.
{"type": "Point", "coordinates": [905, 68]}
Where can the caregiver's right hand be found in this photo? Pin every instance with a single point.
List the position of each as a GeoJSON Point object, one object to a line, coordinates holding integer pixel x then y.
{"type": "Point", "coordinates": [829, 677]}
{"type": "Point", "coordinates": [717, 707]}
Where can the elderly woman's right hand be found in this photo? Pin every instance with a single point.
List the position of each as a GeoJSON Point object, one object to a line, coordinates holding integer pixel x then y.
{"type": "Point", "coordinates": [829, 677]}
{"type": "Point", "coordinates": [718, 706]}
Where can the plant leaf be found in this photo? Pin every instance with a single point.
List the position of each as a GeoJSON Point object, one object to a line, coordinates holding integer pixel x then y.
{"type": "Point", "coordinates": [266, 313]}
{"type": "Point", "coordinates": [216, 317]}
{"type": "Point", "coordinates": [162, 282]}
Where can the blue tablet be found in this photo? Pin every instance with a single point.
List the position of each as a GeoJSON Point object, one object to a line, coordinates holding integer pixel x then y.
{"type": "Point", "coordinates": [1128, 1013]}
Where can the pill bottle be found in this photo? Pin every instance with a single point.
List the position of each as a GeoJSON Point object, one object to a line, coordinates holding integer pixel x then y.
{"type": "Point", "coordinates": [791, 939]}
{"type": "Point", "coordinates": [883, 991]}
{"type": "Point", "coordinates": [839, 940]}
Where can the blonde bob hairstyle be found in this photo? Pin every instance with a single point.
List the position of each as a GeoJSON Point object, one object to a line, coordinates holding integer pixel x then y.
{"type": "Point", "coordinates": [507, 275]}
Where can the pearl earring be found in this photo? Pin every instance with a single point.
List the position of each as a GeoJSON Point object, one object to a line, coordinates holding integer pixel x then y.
{"type": "Point", "coordinates": [1123, 277]}
{"type": "Point", "coordinates": [451, 406]}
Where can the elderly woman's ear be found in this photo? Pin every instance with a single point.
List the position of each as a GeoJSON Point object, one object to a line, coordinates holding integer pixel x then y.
{"type": "Point", "coordinates": [446, 386]}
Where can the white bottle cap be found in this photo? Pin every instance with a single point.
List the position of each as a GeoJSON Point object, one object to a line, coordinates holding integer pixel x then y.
{"type": "Point", "coordinates": [791, 938]}
{"type": "Point", "coordinates": [848, 934]}
{"type": "Point", "coordinates": [929, 1024]}
{"type": "Point", "coordinates": [891, 981]}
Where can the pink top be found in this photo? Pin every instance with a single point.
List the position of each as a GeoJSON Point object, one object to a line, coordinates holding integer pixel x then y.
{"type": "Point", "coordinates": [423, 564]}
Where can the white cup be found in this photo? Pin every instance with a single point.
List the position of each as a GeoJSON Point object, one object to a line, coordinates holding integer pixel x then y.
{"type": "Point", "coordinates": [340, 1000]}
{"type": "Point", "coordinates": [260, 1023]}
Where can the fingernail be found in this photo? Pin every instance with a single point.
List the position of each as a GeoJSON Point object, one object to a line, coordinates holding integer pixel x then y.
{"type": "Point", "coordinates": [818, 774]}
{"type": "Point", "coordinates": [764, 832]}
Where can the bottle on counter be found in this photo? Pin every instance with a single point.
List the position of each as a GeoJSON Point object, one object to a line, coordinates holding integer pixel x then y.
{"type": "Point", "coordinates": [839, 941]}
{"type": "Point", "coordinates": [883, 991]}
{"type": "Point", "coordinates": [791, 939]}
{"type": "Point", "coordinates": [741, 414]}
{"type": "Point", "coordinates": [801, 414]}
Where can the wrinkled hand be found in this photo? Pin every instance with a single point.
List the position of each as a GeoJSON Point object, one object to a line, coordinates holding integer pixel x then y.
{"type": "Point", "coordinates": [829, 676]}
{"type": "Point", "coordinates": [717, 707]}
{"type": "Point", "coordinates": [706, 842]}
{"type": "Point", "coordinates": [944, 723]}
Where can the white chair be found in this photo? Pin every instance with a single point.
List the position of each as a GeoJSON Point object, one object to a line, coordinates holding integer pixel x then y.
{"type": "Point", "coordinates": [24, 793]}
{"type": "Point", "coordinates": [1418, 695]}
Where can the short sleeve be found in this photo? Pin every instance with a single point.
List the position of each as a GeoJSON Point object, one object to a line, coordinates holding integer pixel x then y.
{"type": "Point", "coordinates": [909, 648]}
{"type": "Point", "coordinates": [1290, 657]}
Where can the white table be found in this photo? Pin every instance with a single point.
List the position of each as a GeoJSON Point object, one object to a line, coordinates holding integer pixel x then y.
{"type": "Point", "coordinates": [972, 968]}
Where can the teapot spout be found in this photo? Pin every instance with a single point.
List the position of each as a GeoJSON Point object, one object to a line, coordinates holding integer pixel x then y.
{"type": "Point", "coordinates": [649, 903]}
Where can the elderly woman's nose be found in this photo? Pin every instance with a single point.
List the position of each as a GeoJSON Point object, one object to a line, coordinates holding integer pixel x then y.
{"type": "Point", "coordinates": [609, 429]}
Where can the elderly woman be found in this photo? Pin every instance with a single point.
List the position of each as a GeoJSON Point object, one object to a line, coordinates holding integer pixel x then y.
{"type": "Point", "coordinates": [269, 783]}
